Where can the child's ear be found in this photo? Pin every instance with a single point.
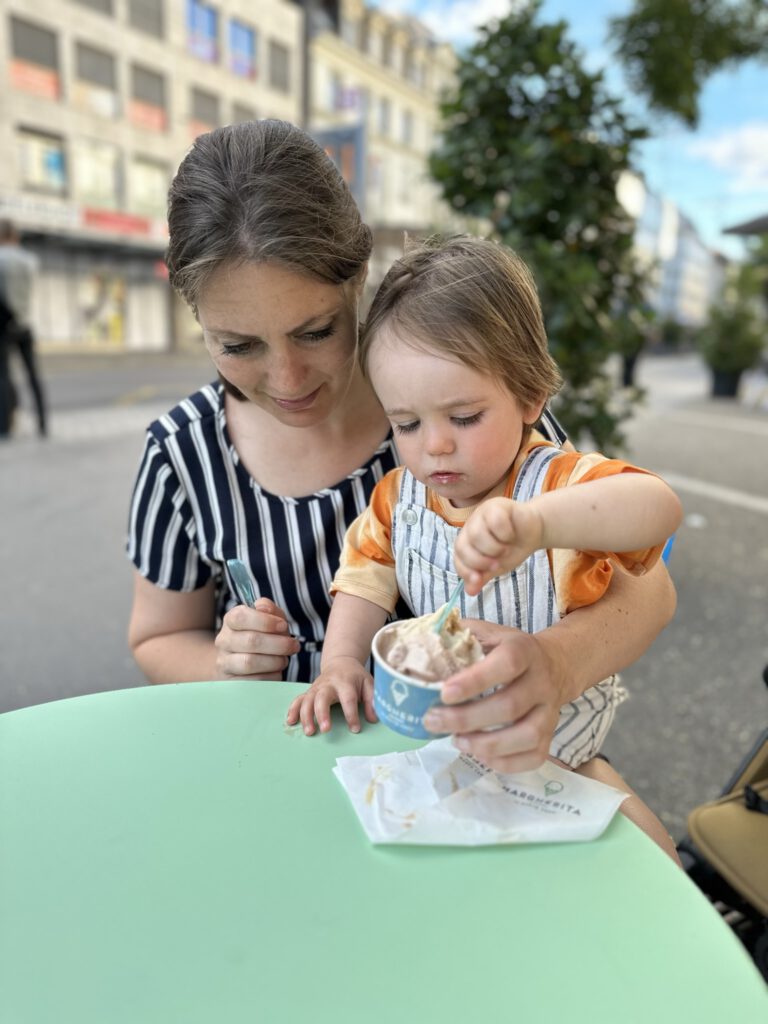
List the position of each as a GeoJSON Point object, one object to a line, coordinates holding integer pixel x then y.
{"type": "Point", "coordinates": [532, 412]}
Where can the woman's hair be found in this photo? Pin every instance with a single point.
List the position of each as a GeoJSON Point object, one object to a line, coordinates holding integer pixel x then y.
{"type": "Point", "coordinates": [473, 301]}
{"type": "Point", "coordinates": [261, 191]}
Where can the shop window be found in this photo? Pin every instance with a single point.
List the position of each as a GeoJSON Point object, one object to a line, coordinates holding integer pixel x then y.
{"type": "Point", "coordinates": [148, 103]}
{"type": "Point", "coordinates": [147, 16]}
{"type": "Point", "coordinates": [241, 113]}
{"type": "Point", "coordinates": [242, 49]}
{"type": "Point", "coordinates": [95, 87]}
{"type": "Point", "coordinates": [203, 31]}
{"type": "Point", "coordinates": [148, 186]}
{"type": "Point", "coordinates": [279, 66]}
{"type": "Point", "coordinates": [35, 59]}
{"type": "Point", "coordinates": [96, 173]}
{"type": "Point", "coordinates": [42, 162]}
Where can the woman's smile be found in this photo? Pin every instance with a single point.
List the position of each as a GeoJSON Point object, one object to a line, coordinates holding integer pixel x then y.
{"type": "Point", "coordinates": [297, 404]}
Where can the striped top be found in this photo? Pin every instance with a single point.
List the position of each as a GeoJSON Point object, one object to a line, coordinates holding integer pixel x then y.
{"type": "Point", "coordinates": [195, 505]}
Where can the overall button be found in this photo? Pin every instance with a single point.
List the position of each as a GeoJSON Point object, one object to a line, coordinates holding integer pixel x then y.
{"type": "Point", "coordinates": [410, 518]}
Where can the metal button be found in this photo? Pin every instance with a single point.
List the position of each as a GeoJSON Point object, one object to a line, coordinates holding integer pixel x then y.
{"type": "Point", "coordinates": [409, 517]}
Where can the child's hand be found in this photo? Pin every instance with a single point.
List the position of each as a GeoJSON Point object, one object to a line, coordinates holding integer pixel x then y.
{"type": "Point", "coordinates": [344, 681]}
{"type": "Point", "coordinates": [498, 536]}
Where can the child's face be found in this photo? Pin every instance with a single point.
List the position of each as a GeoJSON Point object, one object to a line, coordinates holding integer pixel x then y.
{"type": "Point", "coordinates": [457, 430]}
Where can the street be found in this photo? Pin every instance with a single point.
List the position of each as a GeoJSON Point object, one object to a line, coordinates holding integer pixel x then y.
{"type": "Point", "coordinates": [697, 700]}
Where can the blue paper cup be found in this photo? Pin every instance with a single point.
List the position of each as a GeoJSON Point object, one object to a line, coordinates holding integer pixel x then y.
{"type": "Point", "coordinates": [401, 701]}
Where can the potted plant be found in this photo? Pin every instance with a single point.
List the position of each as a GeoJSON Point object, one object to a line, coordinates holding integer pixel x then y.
{"type": "Point", "coordinates": [731, 342]}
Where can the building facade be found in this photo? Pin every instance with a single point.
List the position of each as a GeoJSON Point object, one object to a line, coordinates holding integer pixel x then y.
{"type": "Point", "coordinates": [99, 103]}
{"type": "Point", "coordinates": [381, 77]}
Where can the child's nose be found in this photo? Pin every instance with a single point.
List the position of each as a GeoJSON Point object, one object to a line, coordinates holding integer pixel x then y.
{"type": "Point", "coordinates": [439, 441]}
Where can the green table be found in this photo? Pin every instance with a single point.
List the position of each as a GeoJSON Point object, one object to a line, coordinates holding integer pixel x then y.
{"type": "Point", "coordinates": [176, 854]}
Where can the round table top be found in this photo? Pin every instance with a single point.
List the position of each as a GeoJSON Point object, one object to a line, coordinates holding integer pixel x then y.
{"type": "Point", "coordinates": [177, 854]}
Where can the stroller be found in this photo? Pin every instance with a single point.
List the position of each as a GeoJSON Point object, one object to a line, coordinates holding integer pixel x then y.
{"type": "Point", "coordinates": [726, 851]}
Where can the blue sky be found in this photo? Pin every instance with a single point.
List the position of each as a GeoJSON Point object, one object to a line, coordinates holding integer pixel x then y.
{"type": "Point", "coordinates": [717, 175]}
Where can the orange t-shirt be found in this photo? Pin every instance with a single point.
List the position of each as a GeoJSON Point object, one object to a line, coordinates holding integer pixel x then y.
{"type": "Point", "coordinates": [367, 566]}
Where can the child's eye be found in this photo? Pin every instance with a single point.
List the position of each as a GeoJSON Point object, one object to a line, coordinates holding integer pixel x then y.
{"type": "Point", "coordinates": [406, 428]}
{"type": "Point", "coordinates": [321, 335]}
{"type": "Point", "coordinates": [467, 421]}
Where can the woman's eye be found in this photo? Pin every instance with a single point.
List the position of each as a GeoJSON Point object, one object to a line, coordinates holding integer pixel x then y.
{"type": "Point", "coordinates": [320, 335]}
{"type": "Point", "coordinates": [467, 421]}
{"type": "Point", "coordinates": [406, 428]}
{"type": "Point", "coordinates": [235, 350]}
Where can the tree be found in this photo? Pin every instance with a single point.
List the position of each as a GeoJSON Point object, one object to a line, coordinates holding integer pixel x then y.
{"type": "Point", "coordinates": [670, 47]}
{"type": "Point", "coordinates": [534, 144]}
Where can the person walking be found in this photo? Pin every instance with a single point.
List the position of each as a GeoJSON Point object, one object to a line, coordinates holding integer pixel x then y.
{"type": "Point", "coordinates": [17, 274]}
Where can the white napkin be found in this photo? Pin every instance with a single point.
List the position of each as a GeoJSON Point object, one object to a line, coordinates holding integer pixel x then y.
{"type": "Point", "coordinates": [437, 796]}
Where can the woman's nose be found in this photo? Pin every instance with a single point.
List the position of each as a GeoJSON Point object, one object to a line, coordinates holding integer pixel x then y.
{"type": "Point", "coordinates": [287, 374]}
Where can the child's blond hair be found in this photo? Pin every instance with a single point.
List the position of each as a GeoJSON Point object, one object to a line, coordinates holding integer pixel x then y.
{"type": "Point", "coordinates": [471, 300]}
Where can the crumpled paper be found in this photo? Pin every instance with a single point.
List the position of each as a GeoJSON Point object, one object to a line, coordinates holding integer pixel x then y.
{"type": "Point", "coordinates": [437, 796]}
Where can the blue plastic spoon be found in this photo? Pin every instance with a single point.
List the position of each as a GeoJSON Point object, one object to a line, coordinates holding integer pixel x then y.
{"type": "Point", "coordinates": [449, 607]}
{"type": "Point", "coordinates": [243, 582]}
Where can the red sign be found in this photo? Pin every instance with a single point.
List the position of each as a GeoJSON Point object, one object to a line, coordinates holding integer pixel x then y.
{"type": "Point", "coordinates": [112, 220]}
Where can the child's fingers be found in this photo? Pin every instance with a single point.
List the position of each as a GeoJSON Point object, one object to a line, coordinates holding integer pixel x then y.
{"type": "Point", "coordinates": [294, 708]}
{"type": "Point", "coordinates": [307, 714]}
{"type": "Point", "coordinates": [323, 701]}
{"type": "Point", "coordinates": [349, 699]}
{"type": "Point", "coordinates": [368, 708]}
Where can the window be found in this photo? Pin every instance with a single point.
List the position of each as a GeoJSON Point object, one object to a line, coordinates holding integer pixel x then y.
{"type": "Point", "coordinates": [242, 49]}
{"type": "Point", "coordinates": [42, 163]}
{"type": "Point", "coordinates": [102, 6]}
{"type": "Point", "coordinates": [407, 128]}
{"type": "Point", "coordinates": [147, 16]}
{"type": "Point", "coordinates": [205, 109]}
{"type": "Point", "coordinates": [96, 172]}
{"type": "Point", "coordinates": [279, 66]}
{"type": "Point", "coordinates": [35, 64]}
{"type": "Point", "coordinates": [202, 31]}
{"type": "Point", "coordinates": [95, 66]}
{"type": "Point", "coordinates": [385, 115]}
{"type": "Point", "coordinates": [148, 101]}
{"type": "Point", "coordinates": [95, 88]}
{"type": "Point", "coordinates": [240, 113]}
{"type": "Point", "coordinates": [148, 185]}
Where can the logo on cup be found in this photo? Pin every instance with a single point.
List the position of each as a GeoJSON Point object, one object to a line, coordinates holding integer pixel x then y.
{"type": "Point", "coordinates": [552, 787]}
{"type": "Point", "coordinates": [399, 691]}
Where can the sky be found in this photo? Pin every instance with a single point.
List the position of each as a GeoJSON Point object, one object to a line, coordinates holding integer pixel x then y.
{"type": "Point", "coordinates": [717, 175]}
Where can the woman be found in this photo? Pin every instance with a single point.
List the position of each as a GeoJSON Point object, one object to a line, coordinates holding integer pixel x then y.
{"type": "Point", "coordinates": [271, 464]}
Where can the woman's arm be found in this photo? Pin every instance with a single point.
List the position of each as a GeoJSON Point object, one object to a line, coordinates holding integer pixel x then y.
{"type": "Point", "coordinates": [172, 637]}
{"type": "Point", "coordinates": [538, 673]}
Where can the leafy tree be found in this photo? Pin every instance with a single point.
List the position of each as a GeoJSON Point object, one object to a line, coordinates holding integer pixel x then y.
{"type": "Point", "coordinates": [670, 47]}
{"type": "Point", "coordinates": [534, 144]}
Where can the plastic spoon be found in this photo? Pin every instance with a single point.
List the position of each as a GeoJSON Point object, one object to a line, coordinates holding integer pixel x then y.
{"type": "Point", "coordinates": [437, 628]}
{"type": "Point", "coordinates": [243, 582]}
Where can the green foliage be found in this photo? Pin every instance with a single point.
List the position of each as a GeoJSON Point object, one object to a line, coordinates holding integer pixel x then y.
{"type": "Point", "coordinates": [670, 47]}
{"type": "Point", "coordinates": [534, 144]}
{"type": "Point", "coordinates": [734, 337]}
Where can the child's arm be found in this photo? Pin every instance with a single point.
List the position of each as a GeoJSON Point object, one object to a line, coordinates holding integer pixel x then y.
{"type": "Point", "coordinates": [343, 679]}
{"type": "Point", "coordinates": [626, 512]}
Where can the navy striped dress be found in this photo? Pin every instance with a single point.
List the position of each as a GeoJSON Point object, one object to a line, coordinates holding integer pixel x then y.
{"type": "Point", "coordinates": [195, 505]}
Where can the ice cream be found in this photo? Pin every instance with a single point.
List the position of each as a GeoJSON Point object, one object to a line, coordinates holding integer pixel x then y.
{"type": "Point", "coordinates": [414, 648]}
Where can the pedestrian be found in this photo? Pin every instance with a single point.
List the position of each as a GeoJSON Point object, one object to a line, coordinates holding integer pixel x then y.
{"type": "Point", "coordinates": [271, 463]}
{"type": "Point", "coordinates": [18, 269]}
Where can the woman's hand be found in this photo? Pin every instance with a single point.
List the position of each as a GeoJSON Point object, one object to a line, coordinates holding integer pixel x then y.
{"type": "Point", "coordinates": [343, 681]}
{"type": "Point", "coordinates": [521, 715]}
{"type": "Point", "coordinates": [254, 641]}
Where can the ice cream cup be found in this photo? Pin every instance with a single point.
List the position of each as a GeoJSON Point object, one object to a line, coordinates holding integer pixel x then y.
{"type": "Point", "coordinates": [401, 701]}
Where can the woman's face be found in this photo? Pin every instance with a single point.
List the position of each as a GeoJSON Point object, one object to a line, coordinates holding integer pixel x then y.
{"type": "Point", "coordinates": [285, 340]}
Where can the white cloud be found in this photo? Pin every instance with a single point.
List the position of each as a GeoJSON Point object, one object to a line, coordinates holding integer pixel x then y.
{"type": "Point", "coordinates": [741, 153]}
{"type": "Point", "coordinates": [453, 21]}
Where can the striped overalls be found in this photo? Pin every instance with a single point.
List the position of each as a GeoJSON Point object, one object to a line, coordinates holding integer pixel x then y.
{"type": "Point", "coordinates": [422, 545]}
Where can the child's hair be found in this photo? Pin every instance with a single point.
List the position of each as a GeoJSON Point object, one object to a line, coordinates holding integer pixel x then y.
{"type": "Point", "coordinates": [471, 300]}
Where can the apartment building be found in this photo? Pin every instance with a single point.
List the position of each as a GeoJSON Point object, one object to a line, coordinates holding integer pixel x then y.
{"type": "Point", "coordinates": [375, 86]}
{"type": "Point", "coordinates": [99, 102]}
